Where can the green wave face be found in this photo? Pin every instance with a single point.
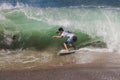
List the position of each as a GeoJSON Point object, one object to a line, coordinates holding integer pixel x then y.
{"type": "Point", "coordinates": [30, 33]}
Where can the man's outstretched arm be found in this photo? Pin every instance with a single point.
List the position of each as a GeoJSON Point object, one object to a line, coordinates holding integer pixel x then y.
{"type": "Point", "coordinates": [57, 36]}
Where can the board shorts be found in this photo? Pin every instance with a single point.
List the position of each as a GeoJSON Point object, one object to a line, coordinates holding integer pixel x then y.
{"type": "Point", "coordinates": [71, 40]}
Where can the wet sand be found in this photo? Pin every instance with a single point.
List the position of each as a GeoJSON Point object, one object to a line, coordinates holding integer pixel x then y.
{"type": "Point", "coordinates": [63, 73]}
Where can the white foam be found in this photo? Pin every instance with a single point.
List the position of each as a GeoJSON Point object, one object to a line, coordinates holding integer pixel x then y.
{"type": "Point", "coordinates": [2, 17]}
{"type": "Point", "coordinates": [8, 6]}
{"type": "Point", "coordinates": [96, 49]}
{"type": "Point", "coordinates": [29, 59]}
{"type": "Point", "coordinates": [84, 58]}
{"type": "Point", "coordinates": [46, 57]}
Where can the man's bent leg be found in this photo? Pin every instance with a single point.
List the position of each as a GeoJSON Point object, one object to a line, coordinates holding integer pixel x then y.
{"type": "Point", "coordinates": [65, 45]}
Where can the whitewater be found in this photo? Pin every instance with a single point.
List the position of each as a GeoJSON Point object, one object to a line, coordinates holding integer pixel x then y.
{"type": "Point", "coordinates": [97, 29]}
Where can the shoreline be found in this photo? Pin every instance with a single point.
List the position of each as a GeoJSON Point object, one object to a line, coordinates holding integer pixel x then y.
{"type": "Point", "coordinates": [63, 73]}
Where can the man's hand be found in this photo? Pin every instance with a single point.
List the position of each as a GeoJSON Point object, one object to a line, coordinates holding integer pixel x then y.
{"type": "Point", "coordinates": [57, 36]}
{"type": "Point", "coordinates": [54, 37]}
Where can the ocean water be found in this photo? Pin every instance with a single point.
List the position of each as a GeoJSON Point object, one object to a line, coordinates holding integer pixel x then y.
{"type": "Point", "coordinates": [33, 23]}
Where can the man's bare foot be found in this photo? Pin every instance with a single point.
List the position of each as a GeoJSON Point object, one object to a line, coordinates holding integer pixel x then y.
{"type": "Point", "coordinates": [67, 50]}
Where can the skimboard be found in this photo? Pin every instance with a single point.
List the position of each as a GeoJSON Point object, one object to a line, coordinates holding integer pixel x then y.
{"type": "Point", "coordinates": [64, 52]}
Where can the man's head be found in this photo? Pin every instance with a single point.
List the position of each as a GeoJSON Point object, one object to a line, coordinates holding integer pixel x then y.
{"type": "Point", "coordinates": [60, 30]}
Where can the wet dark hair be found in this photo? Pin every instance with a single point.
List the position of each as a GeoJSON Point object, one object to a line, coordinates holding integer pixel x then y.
{"type": "Point", "coordinates": [60, 29]}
